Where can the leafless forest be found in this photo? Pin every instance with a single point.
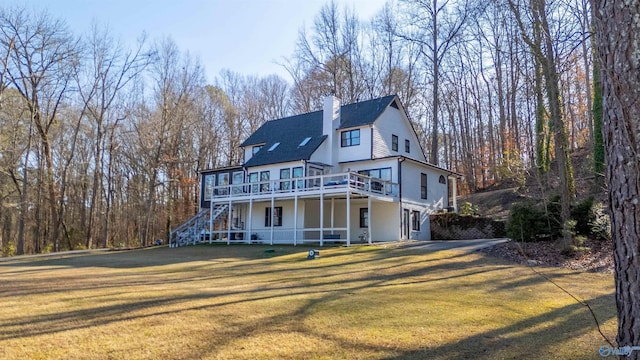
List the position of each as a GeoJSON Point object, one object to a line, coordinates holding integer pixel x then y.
{"type": "Point", "coordinates": [101, 142]}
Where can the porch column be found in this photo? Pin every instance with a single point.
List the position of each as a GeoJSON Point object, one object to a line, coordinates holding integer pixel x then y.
{"type": "Point", "coordinates": [210, 221]}
{"type": "Point", "coordinates": [250, 220]}
{"type": "Point", "coordinates": [321, 218]}
{"type": "Point", "coordinates": [348, 218]}
{"type": "Point", "coordinates": [454, 193]}
{"type": "Point", "coordinates": [229, 222]}
{"type": "Point", "coordinates": [272, 217]}
{"type": "Point", "coordinates": [369, 210]}
{"type": "Point", "coordinates": [295, 219]}
{"type": "Point", "coordinates": [333, 210]}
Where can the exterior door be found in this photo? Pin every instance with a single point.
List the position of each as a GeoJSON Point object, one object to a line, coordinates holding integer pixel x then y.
{"type": "Point", "coordinates": [405, 223]}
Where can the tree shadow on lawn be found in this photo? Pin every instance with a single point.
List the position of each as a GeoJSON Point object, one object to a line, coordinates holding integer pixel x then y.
{"type": "Point", "coordinates": [514, 341]}
{"type": "Point", "coordinates": [299, 285]}
{"type": "Point", "coordinates": [158, 256]}
{"type": "Point", "coordinates": [312, 279]}
{"type": "Point", "coordinates": [308, 272]}
{"type": "Point", "coordinates": [521, 341]}
{"type": "Point", "coordinates": [300, 270]}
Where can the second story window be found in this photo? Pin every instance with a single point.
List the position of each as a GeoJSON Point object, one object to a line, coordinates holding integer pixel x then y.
{"type": "Point", "coordinates": [423, 186]}
{"type": "Point", "coordinates": [407, 146]}
{"type": "Point", "coordinates": [255, 149]}
{"type": "Point", "coordinates": [350, 138]}
{"type": "Point", "coordinates": [394, 142]}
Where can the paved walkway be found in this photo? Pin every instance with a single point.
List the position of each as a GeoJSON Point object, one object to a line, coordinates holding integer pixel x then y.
{"type": "Point", "coordinates": [462, 245]}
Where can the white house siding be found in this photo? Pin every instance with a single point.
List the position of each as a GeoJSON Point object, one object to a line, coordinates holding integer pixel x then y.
{"type": "Point", "coordinates": [392, 122]}
{"type": "Point", "coordinates": [281, 234]}
{"type": "Point", "coordinates": [356, 152]}
{"type": "Point", "coordinates": [321, 155]}
{"type": "Point", "coordinates": [385, 225]}
{"type": "Point", "coordinates": [437, 196]}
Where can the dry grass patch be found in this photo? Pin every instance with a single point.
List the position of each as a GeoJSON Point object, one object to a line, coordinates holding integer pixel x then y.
{"type": "Point", "coordinates": [240, 302]}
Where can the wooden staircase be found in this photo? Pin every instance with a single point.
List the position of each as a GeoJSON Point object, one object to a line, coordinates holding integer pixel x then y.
{"type": "Point", "coordinates": [196, 229]}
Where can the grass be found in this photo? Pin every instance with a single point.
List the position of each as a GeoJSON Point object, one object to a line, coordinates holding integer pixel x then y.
{"type": "Point", "coordinates": [241, 302]}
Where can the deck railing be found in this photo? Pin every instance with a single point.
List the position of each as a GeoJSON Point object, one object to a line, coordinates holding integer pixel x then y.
{"type": "Point", "coordinates": [321, 183]}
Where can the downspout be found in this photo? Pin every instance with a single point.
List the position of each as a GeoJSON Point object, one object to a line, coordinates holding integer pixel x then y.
{"type": "Point", "coordinates": [400, 161]}
{"type": "Point", "coordinates": [371, 142]}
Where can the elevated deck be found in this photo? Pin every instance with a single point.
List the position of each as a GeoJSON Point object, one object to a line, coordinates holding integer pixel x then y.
{"type": "Point", "coordinates": [308, 187]}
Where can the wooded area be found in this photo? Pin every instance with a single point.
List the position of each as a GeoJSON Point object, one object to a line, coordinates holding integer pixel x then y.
{"type": "Point", "coordinates": [101, 143]}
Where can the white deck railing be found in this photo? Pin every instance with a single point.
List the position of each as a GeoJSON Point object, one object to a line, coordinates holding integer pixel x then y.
{"type": "Point", "coordinates": [330, 183]}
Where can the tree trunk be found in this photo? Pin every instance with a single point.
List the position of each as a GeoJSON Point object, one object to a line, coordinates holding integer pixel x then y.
{"type": "Point", "coordinates": [433, 156]}
{"type": "Point", "coordinates": [618, 41]}
{"type": "Point", "coordinates": [563, 161]}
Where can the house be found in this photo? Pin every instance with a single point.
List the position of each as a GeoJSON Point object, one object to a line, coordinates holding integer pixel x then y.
{"type": "Point", "coordinates": [348, 174]}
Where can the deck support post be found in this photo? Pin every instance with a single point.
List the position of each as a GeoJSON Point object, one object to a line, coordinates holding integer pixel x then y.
{"type": "Point", "coordinates": [229, 222]}
{"type": "Point", "coordinates": [348, 218]}
{"type": "Point", "coordinates": [333, 210]}
{"type": "Point", "coordinates": [211, 221]}
{"type": "Point", "coordinates": [370, 216]}
{"type": "Point", "coordinates": [295, 220]}
{"type": "Point", "coordinates": [272, 218]}
{"type": "Point", "coordinates": [321, 218]}
{"type": "Point", "coordinates": [250, 220]}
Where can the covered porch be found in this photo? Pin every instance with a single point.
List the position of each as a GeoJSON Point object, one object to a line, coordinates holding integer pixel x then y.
{"type": "Point", "coordinates": [338, 208]}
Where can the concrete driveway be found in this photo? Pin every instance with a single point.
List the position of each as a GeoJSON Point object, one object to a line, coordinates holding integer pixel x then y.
{"type": "Point", "coordinates": [461, 245]}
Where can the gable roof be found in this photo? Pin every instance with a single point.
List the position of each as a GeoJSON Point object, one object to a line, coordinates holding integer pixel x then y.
{"type": "Point", "coordinates": [289, 132]}
{"type": "Point", "coordinates": [363, 113]}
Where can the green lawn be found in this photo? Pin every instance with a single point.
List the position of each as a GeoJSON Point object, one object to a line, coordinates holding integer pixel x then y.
{"type": "Point", "coordinates": [241, 302]}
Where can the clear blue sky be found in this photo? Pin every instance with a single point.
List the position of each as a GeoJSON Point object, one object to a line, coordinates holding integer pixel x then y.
{"type": "Point", "coordinates": [245, 36]}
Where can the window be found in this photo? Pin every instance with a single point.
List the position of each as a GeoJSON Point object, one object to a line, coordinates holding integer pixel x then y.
{"type": "Point", "coordinates": [274, 146]}
{"type": "Point", "coordinates": [350, 138]}
{"type": "Point", "coordinates": [255, 149]}
{"type": "Point", "coordinates": [442, 180]}
{"type": "Point", "coordinates": [407, 146]}
{"type": "Point", "coordinates": [253, 178]}
{"type": "Point", "coordinates": [298, 173]}
{"type": "Point", "coordinates": [277, 216]}
{"type": "Point", "coordinates": [423, 186]}
{"type": "Point", "coordinates": [305, 141]}
{"type": "Point", "coordinates": [383, 174]}
{"type": "Point", "coordinates": [415, 220]}
{"type": "Point", "coordinates": [223, 182]}
{"type": "Point", "coordinates": [238, 178]}
{"type": "Point", "coordinates": [208, 186]}
{"type": "Point", "coordinates": [285, 174]}
{"type": "Point", "coordinates": [394, 142]}
{"type": "Point", "coordinates": [364, 217]}
{"type": "Point", "coordinates": [264, 181]}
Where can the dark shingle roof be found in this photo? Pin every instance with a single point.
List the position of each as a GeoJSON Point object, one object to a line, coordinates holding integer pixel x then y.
{"type": "Point", "coordinates": [363, 113]}
{"type": "Point", "coordinates": [291, 131]}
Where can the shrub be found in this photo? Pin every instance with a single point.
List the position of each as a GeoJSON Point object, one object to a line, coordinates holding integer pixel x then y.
{"type": "Point", "coordinates": [468, 209]}
{"type": "Point", "coordinates": [527, 223]}
{"type": "Point", "coordinates": [600, 225]}
{"type": "Point", "coordinates": [584, 216]}
{"type": "Point", "coordinates": [9, 249]}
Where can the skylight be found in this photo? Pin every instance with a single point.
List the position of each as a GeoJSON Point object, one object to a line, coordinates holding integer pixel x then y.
{"type": "Point", "coordinates": [305, 141]}
{"type": "Point", "coordinates": [274, 146]}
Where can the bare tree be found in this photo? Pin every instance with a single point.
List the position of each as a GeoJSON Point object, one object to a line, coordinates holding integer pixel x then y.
{"type": "Point", "coordinates": [436, 27]}
{"type": "Point", "coordinates": [545, 53]}
{"type": "Point", "coordinates": [40, 67]}
{"type": "Point", "coordinates": [110, 68]}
